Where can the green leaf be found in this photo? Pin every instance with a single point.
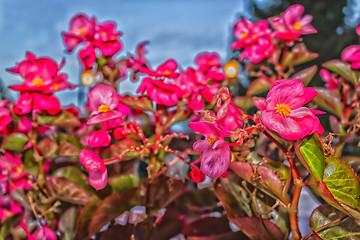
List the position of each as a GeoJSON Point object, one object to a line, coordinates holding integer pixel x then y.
{"type": "Point", "coordinates": [329, 100]}
{"type": "Point", "coordinates": [343, 184]}
{"type": "Point", "coordinates": [29, 161]}
{"type": "Point", "coordinates": [67, 223]}
{"type": "Point", "coordinates": [67, 149]}
{"type": "Point", "coordinates": [262, 177]}
{"type": "Point", "coordinates": [67, 138]}
{"type": "Point", "coordinates": [124, 183]}
{"type": "Point", "coordinates": [141, 102]}
{"type": "Point", "coordinates": [74, 174]}
{"type": "Point", "coordinates": [306, 75]}
{"type": "Point", "coordinates": [66, 119]}
{"type": "Point", "coordinates": [233, 196]}
{"type": "Point", "coordinates": [344, 69]}
{"type": "Point", "coordinates": [346, 229]}
{"type": "Point", "coordinates": [8, 224]}
{"type": "Point", "coordinates": [15, 142]}
{"type": "Point", "coordinates": [259, 85]}
{"type": "Point", "coordinates": [47, 147]}
{"type": "Point", "coordinates": [244, 102]}
{"type": "Point", "coordinates": [180, 115]}
{"type": "Point", "coordinates": [67, 190]}
{"type": "Point", "coordinates": [311, 154]}
{"type": "Point", "coordinates": [112, 207]}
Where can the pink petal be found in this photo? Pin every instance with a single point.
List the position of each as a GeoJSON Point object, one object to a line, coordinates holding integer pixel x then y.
{"type": "Point", "coordinates": [104, 117]}
{"type": "Point", "coordinates": [99, 138]}
{"type": "Point", "coordinates": [98, 179]}
{"type": "Point", "coordinates": [44, 233]}
{"type": "Point", "coordinates": [201, 145]}
{"type": "Point", "coordinates": [205, 128]}
{"type": "Point", "coordinates": [351, 53]}
{"type": "Point", "coordinates": [300, 112]}
{"type": "Point", "coordinates": [91, 161]}
{"type": "Point", "coordinates": [102, 95]}
{"type": "Point", "coordinates": [216, 160]}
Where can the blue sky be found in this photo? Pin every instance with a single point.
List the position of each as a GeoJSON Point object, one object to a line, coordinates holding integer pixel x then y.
{"type": "Point", "coordinates": [176, 29]}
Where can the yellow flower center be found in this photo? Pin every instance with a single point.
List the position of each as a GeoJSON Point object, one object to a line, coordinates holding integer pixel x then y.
{"type": "Point", "coordinates": [244, 35]}
{"type": "Point", "coordinates": [104, 108]}
{"type": "Point", "coordinates": [55, 86]}
{"type": "Point", "coordinates": [297, 26]}
{"type": "Point", "coordinates": [167, 72]}
{"type": "Point", "coordinates": [38, 82]}
{"type": "Point", "coordinates": [81, 31]}
{"type": "Point", "coordinates": [254, 36]}
{"type": "Point", "coordinates": [283, 109]}
{"type": "Point", "coordinates": [211, 139]}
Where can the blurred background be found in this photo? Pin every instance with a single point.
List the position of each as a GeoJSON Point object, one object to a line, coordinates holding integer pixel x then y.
{"type": "Point", "coordinates": [177, 29]}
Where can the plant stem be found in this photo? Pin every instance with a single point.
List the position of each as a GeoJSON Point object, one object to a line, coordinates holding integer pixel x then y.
{"type": "Point", "coordinates": [293, 208]}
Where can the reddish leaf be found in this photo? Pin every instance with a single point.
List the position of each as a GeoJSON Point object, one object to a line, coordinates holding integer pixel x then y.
{"type": "Point", "coordinates": [112, 207]}
{"type": "Point", "coordinates": [256, 229]}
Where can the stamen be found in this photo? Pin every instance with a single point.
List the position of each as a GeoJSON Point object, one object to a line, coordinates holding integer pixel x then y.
{"type": "Point", "coordinates": [211, 139]}
{"type": "Point", "coordinates": [283, 109]}
{"type": "Point", "coordinates": [38, 82]}
{"type": "Point", "coordinates": [104, 108]}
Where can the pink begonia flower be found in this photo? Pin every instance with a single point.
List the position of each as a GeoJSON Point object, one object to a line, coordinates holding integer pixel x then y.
{"type": "Point", "coordinates": [216, 154]}
{"type": "Point", "coordinates": [259, 51]}
{"type": "Point", "coordinates": [167, 69]}
{"type": "Point", "coordinates": [160, 92]}
{"type": "Point", "coordinates": [331, 82]}
{"type": "Point", "coordinates": [283, 110]}
{"type": "Point", "coordinates": [103, 101]}
{"type": "Point", "coordinates": [99, 138]}
{"type": "Point", "coordinates": [292, 24]}
{"type": "Point", "coordinates": [231, 120]}
{"type": "Point", "coordinates": [107, 39]}
{"type": "Point", "coordinates": [96, 167]}
{"type": "Point", "coordinates": [196, 103]}
{"type": "Point", "coordinates": [5, 115]}
{"type": "Point", "coordinates": [351, 54]}
{"type": "Point", "coordinates": [138, 62]}
{"type": "Point", "coordinates": [206, 61]}
{"type": "Point", "coordinates": [81, 29]}
{"type": "Point", "coordinates": [39, 103]}
{"type": "Point", "coordinates": [87, 57]}
{"type": "Point", "coordinates": [121, 132]}
{"type": "Point", "coordinates": [196, 175]}
{"type": "Point", "coordinates": [40, 75]}
{"type": "Point", "coordinates": [248, 32]}
{"type": "Point", "coordinates": [44, 233]}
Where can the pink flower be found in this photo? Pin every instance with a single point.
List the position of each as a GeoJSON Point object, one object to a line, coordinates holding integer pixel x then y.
{"type": "Point", "coordinates": [216, 156]}
{"type": "Point", "coordinates": [99, 138]}
{"type": "Point", "coordinates": [96, 167]}
{"type": "Point", "coordinates": [24, 125]}
{"type": "Point", "coordinates": [87, 57]}
{"type": "Point", "coordinates": [248, 33]}
{"type": "Point", "coordinates": [167, 69]}
{"type": "Point", "coordinates": [331, 82]}
{"type": "Point", "coordinates": [196, 175]}
{"type": "Point", "coordinates": [81, 29]}
{"type": "Point", "coordinates": [5, 116]}
{"type": "Point", "coordinates": [206, 61]}
{"type": "Point", "coordinates": [231, 120]}
{"type": "Point", "coordinates": [284, 112]}
{"type": "Point", "coordinates": [39, 103]}
{"type": "Point", "coordinates": [103, 100]}
{"type": "Point", "coordinates": [107, 39]}
{"type": "Point", "coordinates": [259, 51]}
{"type": "Point", "coordinates": [40, 75]}
{"type": "Point", "coordinates": [352, 54]}
{"type": "Point", "coordinates": [44, 233]}
{"type": "Point", "coordinates": [291, 24]}
{"type": "Point", "coordinates": [160, 92]}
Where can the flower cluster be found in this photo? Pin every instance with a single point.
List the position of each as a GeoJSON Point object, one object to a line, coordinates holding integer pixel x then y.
{"type": "Point", "coordinates": [258, 41]}
{"type": "Point", "coordinates": [41, 79]}
{"type": "Point", "coordinates": [192, 86]}
{"type": "Point", "coordinates": [86, 31]}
